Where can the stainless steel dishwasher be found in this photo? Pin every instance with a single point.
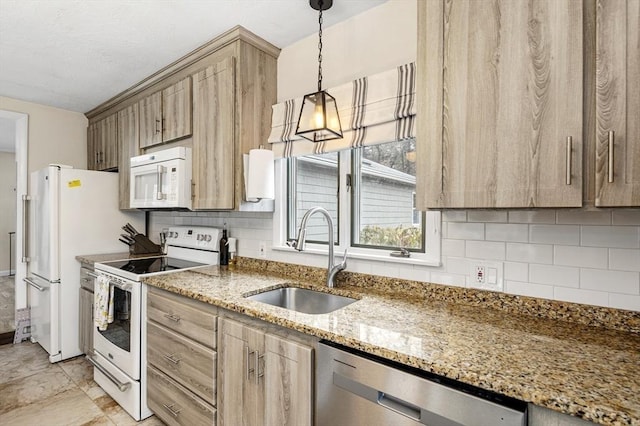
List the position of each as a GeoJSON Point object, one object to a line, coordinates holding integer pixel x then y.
{"type": "Point", "coordinates": [353, 389]}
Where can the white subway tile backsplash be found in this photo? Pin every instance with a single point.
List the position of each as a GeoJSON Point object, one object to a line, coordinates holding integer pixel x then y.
{"type": "Point", "coordinates": [610, 236]}
{"type": "Point", "coordinates": [454, 216]}
{"type": "Point", "coordinates": [583, 217]}
{"type": "Point", "coordinates": [457, 265]}
{"type": "Point", "coordinates": [624, 301]}
{"type": "Point", "coordinates": [532, 216]}
{"type": "Point", "coordinates": [563, 276]}
{"type": "Point", "coordinates": [414, 273]}
{"type": "Point", "coordinates": [530, 253]}
{"type": "Point", "coordinates": [448, 279]}
{"type": "Point", "coordinates": [486, 216]}
{"type": "Point", "coordinates": [385, 269]}
{"type": "Point", "coordinates": [575, 295]}
{"type": "Point", "coordinates": [516, 271]}
{"type": "Point", "coordinates": [555, 234]}
{"type": "Point", "coordinates": [453, 247]}
{"type": "Point", "coordinates": [586, 257]}
{"type": "Point", "coordinates": [465, 231]}
{"type": "Point", "coordinates": [529, 289]}
{"type": "Point", "coordinates": [625, 217]}
{"type": "Point", "coordinates": [611, 281]}
{"type": "Point", "coordinates": [485, 250]}
{"type": "Point", "coordinates": [506, 232]}
{"type": "Point", "coordinates": [624, 259]}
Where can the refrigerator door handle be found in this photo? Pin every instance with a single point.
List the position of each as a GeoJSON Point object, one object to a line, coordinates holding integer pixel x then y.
{"type": "Point", "coordinates": [25, 218]}
{"type": "Point", "coordinates": [33, 284]}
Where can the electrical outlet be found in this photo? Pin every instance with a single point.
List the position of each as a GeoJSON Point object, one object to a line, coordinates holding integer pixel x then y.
{"type": "Point", "coordinates": [485, 275]}
{"type": "Point", "coordinates": [262, 249]}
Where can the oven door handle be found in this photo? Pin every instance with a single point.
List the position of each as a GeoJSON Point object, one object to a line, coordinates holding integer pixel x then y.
{"type": "Point", "coordinates": [121, 386]}
{"type": "Point", "coordinates": [122, 286]}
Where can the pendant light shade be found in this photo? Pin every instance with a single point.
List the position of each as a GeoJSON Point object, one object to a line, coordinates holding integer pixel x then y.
{"type": "Point", "coordinates": [319, 120]}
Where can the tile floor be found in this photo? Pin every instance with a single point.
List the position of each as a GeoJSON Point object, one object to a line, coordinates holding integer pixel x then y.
{"type": "Point", "coordinates": [36, 392]}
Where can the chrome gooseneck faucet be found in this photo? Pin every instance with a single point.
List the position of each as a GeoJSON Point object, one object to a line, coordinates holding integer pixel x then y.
{"type": "Point", "coordinates": [299, 244]}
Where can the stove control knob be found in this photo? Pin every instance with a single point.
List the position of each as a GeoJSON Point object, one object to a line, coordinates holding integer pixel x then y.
{"type": "Point", "coordinates": [208, 237]}
{"type": "Point", "coordinates": [199, 237]}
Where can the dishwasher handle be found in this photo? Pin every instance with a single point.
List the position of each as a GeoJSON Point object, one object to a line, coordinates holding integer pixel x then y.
{"type": "Point", "coordinates": [399, 406]}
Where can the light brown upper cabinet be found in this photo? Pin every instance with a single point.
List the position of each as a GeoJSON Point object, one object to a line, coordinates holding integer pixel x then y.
{"type": "Point", "coordinates": [166, 115]}
{"type": "Point", "coordinates": [102, 144]}
{"type": "Point", "coordinates": [618, 103]}
{"type": "Point", "coordinates": [213, 136]}
{"type": "Point", "coordinates": [500, 101]}
{"type": "Point", "coordinates": [128, 136]}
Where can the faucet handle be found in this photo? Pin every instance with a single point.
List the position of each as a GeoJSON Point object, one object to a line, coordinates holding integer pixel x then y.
{"type": "Point", "coordinates": [344, 259]}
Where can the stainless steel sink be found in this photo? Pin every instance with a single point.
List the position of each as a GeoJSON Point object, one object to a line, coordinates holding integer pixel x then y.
{"type": "Point", "coordinates": [303, 300]}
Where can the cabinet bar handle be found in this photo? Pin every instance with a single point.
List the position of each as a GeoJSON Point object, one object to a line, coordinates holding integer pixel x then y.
{"type": "Point", "coordinates": [172, 410]}
{"type": "Point", "coordinates": [172, 317]}
{"type": "Point", "coordinates": [569, 143]}
{"type": "Point", "coordinates": [612, 137]}
{"type": "Point", "coordinates": [157, 127]}
{"type": "Point", "coordinates": [248, 362]}
{"type": "Point", "coordinates": [172, 359]}
{"type": "Point", "coordinates": [92, 275]}
{"type": "Point", "coordinates": [257, 367]}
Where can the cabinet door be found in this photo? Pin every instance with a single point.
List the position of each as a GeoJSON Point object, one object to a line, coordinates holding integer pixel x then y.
{"type": "Point", "coordinates": [500, 93]}
{"type": "Point", "coordinates": [618, 103]}
{"type": "Point", "coordinates": [128, 139]}
{"type": "Point", "coordinates": [213, 136]}
{"type": "Point", "coordinates": [239, 398]}
{"type": "Point", "coordinates": [93, 146]}
{"type": "Point", "coordinates": [176, 110]}
{"type": "Point", "coordinates": [109, 142]}
{"type": "Point", "coordinates": [288, 384]}
{"type": "Point", "coordinates": [86, 321]}
{"type": "Point", "coordinates": [150, 110]}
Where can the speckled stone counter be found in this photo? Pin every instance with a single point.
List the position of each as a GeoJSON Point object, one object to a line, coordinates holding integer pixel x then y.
{"type": "Point", "coordinates": [589, 372]}
{"type": "Point", "coordinates": [97, 258]}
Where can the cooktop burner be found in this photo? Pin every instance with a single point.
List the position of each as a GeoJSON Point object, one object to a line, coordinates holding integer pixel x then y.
{"type": "Point", "coordinates": [152, 265]}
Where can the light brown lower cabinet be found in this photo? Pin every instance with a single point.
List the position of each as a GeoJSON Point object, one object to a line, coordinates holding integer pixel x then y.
{"type": "Point", "coordinates": [85, 335]}
{"type": "Point", "coordinates": [264, 379]}
{"type": "Point", "coordinates": [181, 359]}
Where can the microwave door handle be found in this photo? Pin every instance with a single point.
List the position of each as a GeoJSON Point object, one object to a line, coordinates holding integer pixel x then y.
{"type": "Point", "coordinates": [160, 171]}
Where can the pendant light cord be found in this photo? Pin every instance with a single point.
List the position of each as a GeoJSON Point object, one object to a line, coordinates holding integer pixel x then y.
{"type": "Point", "coordinates": [320, 49]}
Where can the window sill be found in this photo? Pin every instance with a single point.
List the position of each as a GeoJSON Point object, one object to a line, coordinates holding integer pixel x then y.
{"type": "Point", "coordinates": [352, 254]}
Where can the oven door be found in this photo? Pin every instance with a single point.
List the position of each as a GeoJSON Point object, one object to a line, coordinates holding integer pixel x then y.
{"type": "Point", "coordinates": [120, 342]}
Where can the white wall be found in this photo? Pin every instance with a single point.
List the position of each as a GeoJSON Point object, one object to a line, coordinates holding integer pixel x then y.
{"type": "Point", "coordinates": [7, 209]}
{"type": "Point", "coordinates": [55, 135]}
{"type": "Point", "coordinates": [582, 256]}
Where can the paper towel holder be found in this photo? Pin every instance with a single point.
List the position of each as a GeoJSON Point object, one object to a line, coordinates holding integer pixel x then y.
{"type": "Point", "coordinates": [259, 179]}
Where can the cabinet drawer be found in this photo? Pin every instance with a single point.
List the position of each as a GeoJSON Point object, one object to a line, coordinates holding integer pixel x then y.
{"type": "Point", "coordinates": [190, 364]}
{"type": "Point", "coordinates": [194, 323]}
{"type": "Point", "coordinates": [174, 404]}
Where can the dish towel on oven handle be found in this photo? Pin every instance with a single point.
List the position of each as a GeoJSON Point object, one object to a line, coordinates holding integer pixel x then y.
{"type": "Point", "coordinates": [103, 303]}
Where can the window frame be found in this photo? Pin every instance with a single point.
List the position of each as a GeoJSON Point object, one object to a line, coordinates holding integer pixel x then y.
{"type": "Point", "coordinates": [432, 234]}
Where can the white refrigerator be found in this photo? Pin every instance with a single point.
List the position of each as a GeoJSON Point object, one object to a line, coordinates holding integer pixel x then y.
{"type": "Point", "coordinates": [72, 212]}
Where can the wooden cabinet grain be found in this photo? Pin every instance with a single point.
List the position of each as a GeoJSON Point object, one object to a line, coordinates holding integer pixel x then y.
{"type": "Point", "coordinates": [213, 136]}
{"type": "Point", "coordinates": [166, 115]}
{"type": "Point", "coordinates": [181, 359]}
{"type": "Point", "coordinates": [128, 136]}
{"type": "Point", "coordinates": [500, 104]}
{"type": "Point", "coordinates": [264, 379]}
{"type": "Point", "coordinates": [617, 103]}
{"type": "Point", "coordinates": [102, 144]}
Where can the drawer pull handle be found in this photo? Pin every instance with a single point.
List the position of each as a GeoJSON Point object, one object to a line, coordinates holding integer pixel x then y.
{"type": "Point", "coordinates": [247, 358]}
{"type": "Point", "coordinates": [172, 359]}
{"type": "Point", "coordinates": [568, 157]}
{"type": "Point", "coordinates": [172, 410]}
{"type": "Point", "coordinates": [257, 367]}
{"type": "Point", "coordinates": [172, 317]}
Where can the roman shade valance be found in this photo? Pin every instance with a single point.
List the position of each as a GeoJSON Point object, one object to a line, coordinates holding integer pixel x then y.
{"type": "Point", "coordinates": [375, 109]}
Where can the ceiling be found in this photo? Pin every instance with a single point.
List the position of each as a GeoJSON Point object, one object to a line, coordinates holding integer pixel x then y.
{"type": "Point", "coordinates": [76, 54]}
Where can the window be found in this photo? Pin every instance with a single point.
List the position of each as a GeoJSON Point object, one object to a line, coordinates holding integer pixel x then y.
{"type": "Point", "coordinates": [370, 193]}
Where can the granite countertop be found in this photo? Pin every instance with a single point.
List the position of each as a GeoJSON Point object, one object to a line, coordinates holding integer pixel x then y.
{"type": "Point", "coordinates": [588, 372]}
{"type": "Point", "coordinates": [97, 258]}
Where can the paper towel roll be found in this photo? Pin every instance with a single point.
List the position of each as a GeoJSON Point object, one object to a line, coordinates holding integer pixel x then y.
{"type": "Point", "coordinates": [260, 176]}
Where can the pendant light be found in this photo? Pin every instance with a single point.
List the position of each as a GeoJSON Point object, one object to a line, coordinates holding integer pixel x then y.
{"type": "Point", "coordinates": [319, 120]}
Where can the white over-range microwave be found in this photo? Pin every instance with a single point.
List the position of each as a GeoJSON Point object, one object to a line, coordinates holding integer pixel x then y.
{"type": "Point", "coordinates": [161, 180]}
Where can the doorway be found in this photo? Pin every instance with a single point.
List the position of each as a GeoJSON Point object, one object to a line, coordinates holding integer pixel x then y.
{"type": "Point", "coordinates": [13, 184]}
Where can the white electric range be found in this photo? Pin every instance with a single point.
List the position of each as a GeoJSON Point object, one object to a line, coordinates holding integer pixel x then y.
{"type": "Point", "coordinates": [119, 356]}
